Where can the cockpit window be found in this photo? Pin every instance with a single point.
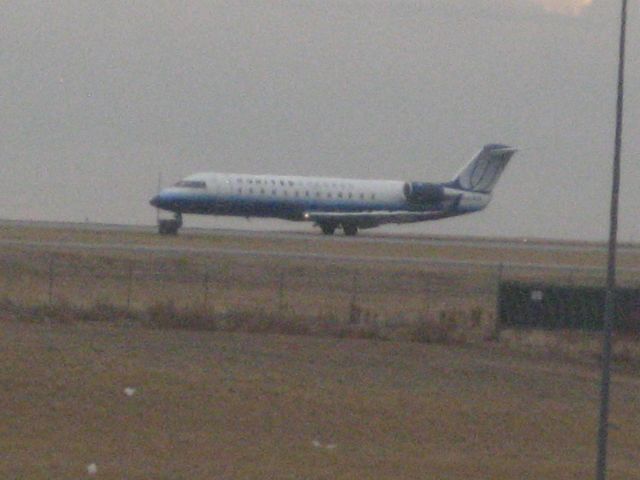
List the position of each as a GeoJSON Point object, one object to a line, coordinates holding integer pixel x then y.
{"type": "Point", "coordinates": [191, 184]}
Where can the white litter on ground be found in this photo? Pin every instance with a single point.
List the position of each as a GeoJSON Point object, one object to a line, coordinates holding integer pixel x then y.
{"type": "Point", "coordinates": [129, 391]}
{"type": "Point", "coordinates": [317, 444]}
{"type": "Point", "coordinates": [92, 469]}
{"type": "Point", "coordinates": [332, 446]}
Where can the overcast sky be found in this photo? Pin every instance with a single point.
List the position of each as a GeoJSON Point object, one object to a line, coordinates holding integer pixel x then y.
{"type": "Point", "coordinates": [99, 96]}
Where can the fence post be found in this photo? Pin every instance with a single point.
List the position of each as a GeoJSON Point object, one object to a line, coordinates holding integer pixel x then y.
{"type": "Point", "coordinates": [497, 327]}
{"type": "Point", "coordinates": [51, 273]}
{"type": "Point", "coordinates": [7, 275]}
{"type": "Point", "coordinates": [356, 281]}
{"type": "Point", "coordinates": [205, 290]}
{"type": "Point", "coordinates": [129, 285]}
{"type": "Point", "coordinates": [427, 286]}
{"type": "Point", "coordinates": [354, 310]}
{"type": "Point", "coordinates": [281, 279]}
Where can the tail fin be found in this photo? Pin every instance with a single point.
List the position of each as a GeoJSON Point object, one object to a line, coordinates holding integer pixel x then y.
{"type": "Point", "coordinates": [483, 172]}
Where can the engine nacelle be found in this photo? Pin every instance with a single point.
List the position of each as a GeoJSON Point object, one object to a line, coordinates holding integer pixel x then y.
{"type": "Point", "coordinates": [420, 192]}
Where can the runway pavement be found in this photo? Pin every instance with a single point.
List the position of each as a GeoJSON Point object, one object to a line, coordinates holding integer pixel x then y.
{"type": "Point", "coordinates": [173, 249]}
{"type": "Point", "coordinates": [365, 236]}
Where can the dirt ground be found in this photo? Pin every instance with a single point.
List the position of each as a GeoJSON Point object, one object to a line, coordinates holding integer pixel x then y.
{"type": "Point", "coordinates": [239, 406]}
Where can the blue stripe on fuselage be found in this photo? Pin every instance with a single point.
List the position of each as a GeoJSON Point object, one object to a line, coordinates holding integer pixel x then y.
{"type": "Point", "coordinates": [267, 206]}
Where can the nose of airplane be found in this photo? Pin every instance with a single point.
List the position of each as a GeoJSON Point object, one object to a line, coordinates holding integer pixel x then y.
{"type": "Point", "coordinates": [155, 201]}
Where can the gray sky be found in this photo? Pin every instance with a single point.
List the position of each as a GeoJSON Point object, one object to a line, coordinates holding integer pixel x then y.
{"type": "Point", "coordinates": [99, 96]}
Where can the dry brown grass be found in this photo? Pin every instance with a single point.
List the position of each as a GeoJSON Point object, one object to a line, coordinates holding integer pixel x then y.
{"type": "Point", "coordinates": [383, 299]}
{"type": "Point", "coordinates": [448, 327]}
{"type": "Point", "coordinates": [218, 405]}
{"type": "Point", "coordinates": [382, 291]}
{"type": "Point", "coordinates": [582, 346]}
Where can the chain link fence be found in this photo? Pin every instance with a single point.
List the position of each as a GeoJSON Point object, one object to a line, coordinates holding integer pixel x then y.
{"type": "Point", "coordinates": [384, 291]}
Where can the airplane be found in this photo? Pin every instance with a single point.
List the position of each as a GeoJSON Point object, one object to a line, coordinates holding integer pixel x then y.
{"type": "Point", "coordinates": [333, 203]}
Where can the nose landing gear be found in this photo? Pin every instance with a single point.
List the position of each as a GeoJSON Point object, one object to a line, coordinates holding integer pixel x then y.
{"type": "Point", "coordinates": [170, 226]}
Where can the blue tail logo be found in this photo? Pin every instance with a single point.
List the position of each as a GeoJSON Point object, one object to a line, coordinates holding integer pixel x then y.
{"type": "Point", "coordinates": [483, 172]}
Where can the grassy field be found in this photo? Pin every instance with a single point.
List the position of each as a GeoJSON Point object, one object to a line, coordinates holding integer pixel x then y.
{"type": "Point", "coordinates": [382, 289]}
{"type": "Point", "coordinates": [242, 406]}
{"type": "Point", "coordinates": [222, 283]}
{"type": "Point", "coordinates": [230, 405]}
{"type": "Point", "coordinates": [390, 299]}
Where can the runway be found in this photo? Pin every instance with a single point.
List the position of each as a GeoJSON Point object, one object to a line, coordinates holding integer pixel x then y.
{"type": "Point", "coordinates": [365, 236]}
{"type": "Point", "coordinates": [312, 246]}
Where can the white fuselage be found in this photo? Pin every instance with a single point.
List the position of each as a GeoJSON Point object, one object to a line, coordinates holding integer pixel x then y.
{"type": "Point", "coordinates": [336, 202]}
{"type": "Point", "coordinates": [302, 198]}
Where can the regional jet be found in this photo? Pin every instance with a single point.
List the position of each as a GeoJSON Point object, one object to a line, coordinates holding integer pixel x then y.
{"type": "Point", "coordinates": [332, 203]}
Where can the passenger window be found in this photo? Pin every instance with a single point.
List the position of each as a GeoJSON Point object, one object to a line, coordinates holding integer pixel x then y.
{"type": "Point", "coordinates": [339, 194]}
{"type": "Point", "coordinates": [362, 196]}
{"type": "Point", "coordinates": [191, 184]}
{"type": "Point", "coordinates": [350, 195]}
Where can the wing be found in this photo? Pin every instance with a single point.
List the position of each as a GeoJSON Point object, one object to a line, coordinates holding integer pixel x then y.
{"type": "Point", "coordinates": [373, 219]}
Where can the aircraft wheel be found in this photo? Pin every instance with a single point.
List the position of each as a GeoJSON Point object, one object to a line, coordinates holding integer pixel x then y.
{"type": "Point", "coordinates": [328, 228]}
{"type": "Point", "coordinates": [168, 227]}
{"type": "Point", "coordinates": [350, 230]}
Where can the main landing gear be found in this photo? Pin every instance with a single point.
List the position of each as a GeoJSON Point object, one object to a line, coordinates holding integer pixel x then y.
{"type": "Point", "coordinates": [330, 228]}
{"type": "Point", "coordinates": [350, 230]}
{"type": "Point", "coordinates": [170, 226]}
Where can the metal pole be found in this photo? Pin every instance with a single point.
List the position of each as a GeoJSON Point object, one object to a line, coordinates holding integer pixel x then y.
{"type": "Point", "coordinates": [610, 300]}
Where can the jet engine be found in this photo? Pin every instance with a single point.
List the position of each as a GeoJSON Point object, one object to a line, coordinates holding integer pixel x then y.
{"type": "Point", "coordinates": [419, 192]}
